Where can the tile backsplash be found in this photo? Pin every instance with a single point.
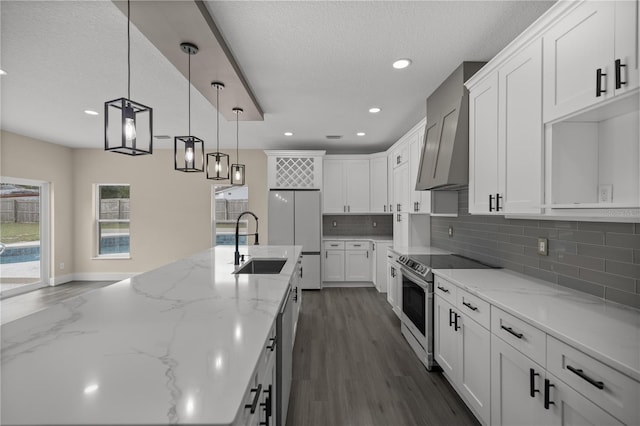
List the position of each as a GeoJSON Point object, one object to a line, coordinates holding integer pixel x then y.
{"type": "Point", "coordinates": [599, 258]}
{"type": "Point", "coordinates": [358, 225]}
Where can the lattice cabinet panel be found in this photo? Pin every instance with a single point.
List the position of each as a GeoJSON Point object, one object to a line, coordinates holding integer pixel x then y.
{"type": "Point", "coordinates": [301, 171]}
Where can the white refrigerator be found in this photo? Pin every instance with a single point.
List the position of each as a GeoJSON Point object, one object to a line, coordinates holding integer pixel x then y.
{"type": "Point", "coordinates": [294, 219]}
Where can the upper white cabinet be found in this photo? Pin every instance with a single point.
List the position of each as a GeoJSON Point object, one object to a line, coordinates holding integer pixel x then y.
{"type": "Point", "coordinates": [346, 185]}
{"type": "Point", "coordinates": [378, 184]}
{"type": "Point", "coordinates": [420, 201]}
{"type": "Point", "coordinates": [294, 169]}
{"type": "Point", "coordinates": [590, 55]}
{"type": "Point", "coordinates": [401, 189]}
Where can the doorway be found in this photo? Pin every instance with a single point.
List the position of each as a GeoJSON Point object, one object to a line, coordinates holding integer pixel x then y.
{"type": "Point", "coordinates": [227, 204]}
{"type": "Point", "coordinates": [24, 235]}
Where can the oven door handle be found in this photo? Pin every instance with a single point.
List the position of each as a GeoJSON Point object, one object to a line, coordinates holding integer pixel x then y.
{"type": "Point", "coordinates": [426, 285]}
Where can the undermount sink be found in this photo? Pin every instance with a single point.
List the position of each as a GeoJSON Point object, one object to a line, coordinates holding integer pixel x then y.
{"type": "Point", "coordinates": [262, 266]}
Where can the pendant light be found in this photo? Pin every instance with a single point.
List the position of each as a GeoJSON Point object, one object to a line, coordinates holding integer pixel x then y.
{"type": "Point", "coordinates": [217, 162]}
{"type": "Point", "coordinates": [237, 170]}
{"type": "Point", "coordinates": [128, 124]}
{"type": "Point", "coordinates": [188, 151]}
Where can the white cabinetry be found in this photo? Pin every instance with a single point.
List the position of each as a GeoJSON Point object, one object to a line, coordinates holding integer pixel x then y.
{"type": "Point", "coordinates": [394, 281]}
{"type": "Point", "coordinates": [333, 269]}
{"type": "Point", "coordinates": [379, 269]}
{"type": "Point", "coordinates": [378, 184]}
{"type": "Point", "coordinates": [505, 142]}
{"type": "Point", "coordinates": [591, 55]}
{"type": "Point", "coordinates": [294, 169]}
{"type": "Point", "coordinates": [346, 185]}
{"type": "Point", "coordinates": [347, 261]}
{"type": "Point", "coordinates": [420, 201]}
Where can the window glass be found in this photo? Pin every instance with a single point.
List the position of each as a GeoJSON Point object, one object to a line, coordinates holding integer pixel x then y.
{"type": "Point", "coordinates": [113, 220]}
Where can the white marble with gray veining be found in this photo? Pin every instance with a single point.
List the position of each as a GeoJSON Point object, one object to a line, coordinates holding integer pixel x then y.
{"type": "Point", "coordinates": [174, 345]}
{"type": "Point", "coordinates": [607, 331]}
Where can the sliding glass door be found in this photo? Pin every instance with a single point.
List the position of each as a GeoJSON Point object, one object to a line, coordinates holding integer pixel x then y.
{"type": "Point", "coordinates": [24, 232]}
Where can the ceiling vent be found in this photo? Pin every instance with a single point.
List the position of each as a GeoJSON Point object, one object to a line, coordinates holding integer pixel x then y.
{"type": "Point", "coordinates": [162, 137]}
{"type": "Point", "coordinates": [335, 137]}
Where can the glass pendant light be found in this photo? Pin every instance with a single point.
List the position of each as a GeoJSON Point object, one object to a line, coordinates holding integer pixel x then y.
{"type": "Point", "coordinates": [217, 162]}
{"type": "Point", "coordinates": [237, 170]}
{"type": "Point", "coordinates": [188, 151]}
{"type": "Point", "coordinates": [128, 125]}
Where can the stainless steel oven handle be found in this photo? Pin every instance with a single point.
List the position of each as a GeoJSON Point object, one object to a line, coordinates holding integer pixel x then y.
{"type": "Point", "coordinates": [416, 279]}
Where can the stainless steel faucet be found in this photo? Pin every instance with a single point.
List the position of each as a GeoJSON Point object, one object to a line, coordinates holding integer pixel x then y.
{"type": "Point", "coordinates": [236, 259]}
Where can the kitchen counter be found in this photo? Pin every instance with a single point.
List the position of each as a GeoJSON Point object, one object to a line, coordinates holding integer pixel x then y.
{"type": "Point", "coordinates": [607, 331]}
{"type": "Point", "coordinates": [359, 237]}
{"type": "Point", "coordinates": [177, 344]}
{"type": "Point", "coordinates": [404, 250]}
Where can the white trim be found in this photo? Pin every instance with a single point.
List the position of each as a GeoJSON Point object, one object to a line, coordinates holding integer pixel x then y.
{"type": "Point", "coordinates": [294, 153]}
{"type": "Point", "coordinates": [103, 276]}
{"type": "Point", "coordinates": [124, 256]}
{"type": "Point", "coordinates": [60, 279]}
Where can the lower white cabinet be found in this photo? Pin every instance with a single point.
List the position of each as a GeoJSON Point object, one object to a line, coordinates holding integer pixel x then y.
{"type": "Point", "coordinates": [333, 265]}
{"type": "Point", "coordinates": [357, 264]}
{"type": "Point", "coordinates": [394, 283]}
{"type": "Point", "coordinates": [347, 261]}
{"type": "Point", "coordinates": [379, 268]}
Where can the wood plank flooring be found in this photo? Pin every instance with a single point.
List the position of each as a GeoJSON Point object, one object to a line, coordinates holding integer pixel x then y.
{"type": "Point", "coordinates": [21, 305]}
{"type": "Point", "coordinates": [351, 366]}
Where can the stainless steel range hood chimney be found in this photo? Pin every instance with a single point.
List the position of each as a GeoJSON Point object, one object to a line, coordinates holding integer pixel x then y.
{"type": "Point", "coordinates": [444, 163]}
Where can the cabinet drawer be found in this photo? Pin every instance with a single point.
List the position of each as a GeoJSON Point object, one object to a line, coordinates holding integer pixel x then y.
{"type": "Point", "coordinates": [270, 346]}
{"type": "Point", "coordinates": [522, 336]}
{"type": "Point", "coordinates": [334, 245]}
{"type": "Point", "coordinates": [611, 390]}
{"type": "Point", "coordinates": [446, 290]}
{"type": "Point", "coordinates": [357, 245]}
{"type": "Point", "coordinates": [474, 307]}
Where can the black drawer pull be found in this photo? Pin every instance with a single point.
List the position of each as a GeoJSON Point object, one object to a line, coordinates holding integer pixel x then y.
{"type": "Point", "coordinates": [510, 330]}
{"type": "Point", "coordinates": [456, 327]}
{"type": "Point", "coordinates": [578, 372]}
{"type": "Point", "coordinates": [272, 344]}
{"type": "Point", "coordinates": [357, 245]}
{"type": "Point", "coordinates": [619, 66]}
{"type": "Point", "coordinates": [547, 386]}
{"type": "Point", "coordinates": [532, 383]}
{"type": "Point", "coordinates": [446, 290]}
{"type": "Point", "coordinates": [470, 306]}
{"type": "Point", "coordinates": [256, 397]}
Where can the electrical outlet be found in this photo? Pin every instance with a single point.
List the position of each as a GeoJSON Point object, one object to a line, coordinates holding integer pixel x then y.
{"type": "Point", "coordinates": [374, 224]}
{"type": "Point", "coordinates": [335, 223]}
{"type": "Point", "coordinates": [61, 265]}
{"type": "Point", "coordinates": [450, 231]}
{"type": "Point", "coordinates": [543, 247]}
{"type": "Point", "coordinates": [605, 193]}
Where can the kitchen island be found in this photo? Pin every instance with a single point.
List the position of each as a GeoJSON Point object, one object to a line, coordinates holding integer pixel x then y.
{"type": "Point", "coordinates": [176, 345]}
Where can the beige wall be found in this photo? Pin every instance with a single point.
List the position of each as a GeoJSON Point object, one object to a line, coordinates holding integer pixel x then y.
{"type": "Point", "coordinates": [26, 158]}
{"type": "Point", "coordinates": [170, 210]}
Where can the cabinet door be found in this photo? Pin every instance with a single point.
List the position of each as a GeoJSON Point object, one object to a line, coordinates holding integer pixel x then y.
{"type": "Point", "coordinates": [520, 138]}
{"type": "Point", "coordinates": [381, 266]}
{"type": "Point", "coordinates": [401, 229]}
{"type": "Point", "coordinates": [514, 378]}
{"type": "Point", "coordinates": [378, 184]}
{"type": "Point", "coordinates": [390, 188]}
{"type": "Point", "coordinates": [475, 360]}
{"type": "Point", "coordinates": [357, 265]}
{"type": "Point", "coordinates": [357, 185]}
{"type": "Point", "coordinates": [627, 45]}
{"type": "Point", "coordinates": [445, 344]}
{"type": "Point", "coordinates": [575, 48]}
{"type": "Point", "coordinates": [569, 408]}
{"type": "Point", "coordinates": [333, 190]}
{"type": "Point", "coordinates": [391, 283]}
{"type": "Point", "coordinates": [420, 200]}
{"type": "Point", "coordinates": [401, 188]}
{"type": "Point", "coordinates": [333, 265]}
{"type": "Point", "coordinates": [483, 146]}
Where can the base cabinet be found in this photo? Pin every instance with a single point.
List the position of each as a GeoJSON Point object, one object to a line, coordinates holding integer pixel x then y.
{"type": "Point", "coordinates": [394, 282]}
{"type": "Point", "coordinates": [347, 261]}
{"type": "Point", "coordinates": [333, 265]}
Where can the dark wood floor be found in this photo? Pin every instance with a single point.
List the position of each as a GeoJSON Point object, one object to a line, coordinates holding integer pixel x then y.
{"type": "Point", "coordinates": [351, 366]}
{"type": "Point", "coordinates": [21, 305]}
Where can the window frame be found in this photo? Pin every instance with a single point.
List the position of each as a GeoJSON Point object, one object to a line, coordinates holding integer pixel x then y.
{"type": "Point", "coordinates": [98, 222]}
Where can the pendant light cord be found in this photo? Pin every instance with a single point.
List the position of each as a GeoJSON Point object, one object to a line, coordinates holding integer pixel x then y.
{"type": "Point", "coordinates": [189, 91]}
{"type": "Point", "coordinates": [129, 49]}
{"type": "Point", "coordinates": [218, 119]}
{"type": "Point", "coordinates": [237, 137]}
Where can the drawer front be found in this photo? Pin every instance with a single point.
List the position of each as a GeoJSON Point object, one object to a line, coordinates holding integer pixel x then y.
{"type": "Point", "coordinates": [446, 290]}
{"type": "Point", "coordinates": [613, 391]}
{"type": "Point", "coordinates": [474, 307]}
{"type": "Point", "coordinates": [357, 245]}
{"type": "Point", "coordinates": [334, 245]}
{"type": "Point", "coordinates": [522, 336]}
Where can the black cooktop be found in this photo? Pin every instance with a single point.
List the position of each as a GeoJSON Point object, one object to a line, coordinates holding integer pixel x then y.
{"type": "Point", "coordinates": [449, 261]}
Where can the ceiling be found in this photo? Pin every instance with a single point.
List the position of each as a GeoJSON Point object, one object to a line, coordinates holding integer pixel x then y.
{"type": "Point", "coordinates": [314, 67]}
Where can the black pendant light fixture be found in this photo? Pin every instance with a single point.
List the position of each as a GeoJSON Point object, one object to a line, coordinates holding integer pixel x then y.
{"type": "Point", "coordinates": [127, 124]}
{"type": "Point", "coordinates": [188, 151]}
{"type": "Point", "coordinates": [237, 170]}
{"type": "Point", "coordinates": [217, 162]}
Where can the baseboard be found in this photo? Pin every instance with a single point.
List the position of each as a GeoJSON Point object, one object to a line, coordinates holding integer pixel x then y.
{"type": "Point", "coordinates": [103, 276]}
{"type": "Point", "coordinates": [61, 279]}
{"type": "Point", "coordinates": [328, 284]}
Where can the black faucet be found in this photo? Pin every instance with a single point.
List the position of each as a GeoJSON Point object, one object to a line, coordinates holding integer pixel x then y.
{"type": "Point", "coordinates": [236, 259]}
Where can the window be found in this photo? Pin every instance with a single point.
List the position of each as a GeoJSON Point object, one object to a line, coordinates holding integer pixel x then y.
{"type": "Point", "coordinates": [113, 220]}
{"type": "Point", "coordinates": [229, 202]}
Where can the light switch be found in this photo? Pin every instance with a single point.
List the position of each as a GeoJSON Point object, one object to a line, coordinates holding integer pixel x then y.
{"type": "Point", "coordinates": [335, 223]}
{"type": "Point", "coordinates": [543, 249]}
{"type": "Point", "coordinates": [450, 231]}
{"type": "Point", "coordinates": [374, 224]}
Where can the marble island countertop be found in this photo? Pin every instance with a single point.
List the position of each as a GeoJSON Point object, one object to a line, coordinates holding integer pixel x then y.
{"type": "Point", "coordinates": [174, 345]}
{"type": "Point", "coordinates": [607, 331]}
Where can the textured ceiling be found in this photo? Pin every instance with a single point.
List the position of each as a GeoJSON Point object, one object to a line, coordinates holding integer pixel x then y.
{"type": "Point", "coordinates": [315, 67]}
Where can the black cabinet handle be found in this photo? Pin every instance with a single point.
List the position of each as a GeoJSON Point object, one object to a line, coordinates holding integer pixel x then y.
{"type": "Point", "coordinates": [510, 330]}
{"type": "Point", "coordinates": [256, 397]}
{"type": "Point", "coordinates": [498, 198]}
{"type": "Point", "coordinates": [384, 208]}
{"type": "Point", "coordinates": [619, 81]}
{"type": "Point", "coordinates": [532, 382]}
{"type": "Point", "coordinates": [547, 386]}
{"type": "Point", "coordinates": [266, 405]}
{"type": "Point", "coordinates": [580, 373]}
{"type": "Point", "coordinates": [470, 306]}
{"type": "Point", "coordinates": [490, 202]}
{"type": "Point", "coordinates": [599, 89]}
{"type": "Point", "coordinates": [272, 345]}
{"type": "Point", "coordinates": [446, 290]}
{"type": "Point", "coordinates": [456, 327]}
{"type": "Point", "coordinates": [450, 317]}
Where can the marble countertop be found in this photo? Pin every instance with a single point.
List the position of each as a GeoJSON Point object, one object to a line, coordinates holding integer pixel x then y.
{"type": "Point", "coordinates": [358, 237]}
{"type": "Point", "coordinates": [174, 345]}
{"type": "Point", "coordinates": [608, 331]}
{"type": "Point", "coordinates": [406, 250]}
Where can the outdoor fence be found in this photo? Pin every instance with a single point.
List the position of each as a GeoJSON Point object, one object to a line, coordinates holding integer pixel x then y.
{"type": "Point", "coordinates": [20, 210]}
{"type": "Point", "coordinates": [230, 209]}
{"type": "Point", "coordinates": [114, 209]}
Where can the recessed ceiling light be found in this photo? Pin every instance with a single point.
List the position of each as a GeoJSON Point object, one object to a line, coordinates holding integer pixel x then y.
{"type": "Point", "coordinates": [374, 110]}
{"type": "Point", "coordinates": [361, 133]}
{"type": "Point", "coordinates": [3, 72]}
{"type": "Point", "coordinates": [288, 134]}
{"type": "Point", "coordinates": [401, 63]}
{"type": "Point", "coordinates": [89, 112]}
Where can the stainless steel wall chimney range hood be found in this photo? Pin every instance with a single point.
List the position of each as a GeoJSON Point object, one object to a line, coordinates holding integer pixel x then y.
{"type": "Point", "coordinates": [444, 163]}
